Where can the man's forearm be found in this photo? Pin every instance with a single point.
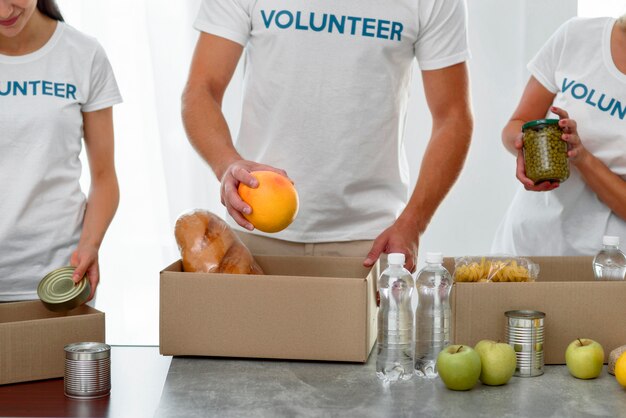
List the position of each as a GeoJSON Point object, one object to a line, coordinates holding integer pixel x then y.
{"type": "Point", "coordinates": [441, 165]}
{"type": "Point", "coordinates": [207, 129]}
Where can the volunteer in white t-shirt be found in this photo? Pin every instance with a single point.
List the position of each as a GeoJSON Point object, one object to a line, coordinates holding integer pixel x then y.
{"type": "Point", "coordinates": [579, 75]}
{"type": "Point", "coordinates": [325, 97]}
{"type": "Point", "coordinates": [56, 87]}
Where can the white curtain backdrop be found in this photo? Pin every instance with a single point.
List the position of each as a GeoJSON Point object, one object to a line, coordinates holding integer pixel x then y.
{"type": "Point", "coordinates": [595, 8]}
{"type": "Point", "coordinates": [150, 42]}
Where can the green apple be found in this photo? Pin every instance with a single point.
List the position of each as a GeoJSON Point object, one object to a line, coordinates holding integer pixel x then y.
{"type": "Point", "coordinates": [498, 362]}
{"type": "Point", "coordinates": [584, 358]}
{"type": "Point", "coordinates": [459, 367]}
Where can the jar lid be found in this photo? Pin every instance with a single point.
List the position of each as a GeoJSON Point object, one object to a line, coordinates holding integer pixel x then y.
{"type": "Point", "coordinates": [58, 292]}
{"type": "Point", "coordinates": [539, 122]}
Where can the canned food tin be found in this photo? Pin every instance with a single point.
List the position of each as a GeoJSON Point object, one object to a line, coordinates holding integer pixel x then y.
{"type": "Point", "coordinates": [545, 153]}
{"type": "Point", "coordinates": [87, 370]}
{"type": "Point", "coordinates": [58, 292]}
{"type": "Point", "coordinates": [524, 332]}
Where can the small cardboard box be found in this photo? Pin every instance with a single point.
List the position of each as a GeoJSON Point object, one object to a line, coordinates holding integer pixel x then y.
{"type": "Point", "coordinates": [575, 304]}
{"type": "Point", "coordinates": [303, 308]}
{"type": "Point", "coordinates": [32, 338]}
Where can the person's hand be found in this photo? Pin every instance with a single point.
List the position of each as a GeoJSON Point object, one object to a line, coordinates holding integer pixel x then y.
{"type": "Point", "coordinates": [85, 259]}
{"type": "Point", "coordinates": [398, 238]}
{"type": "Point", "coordinates": [239, 172]}
{"type": "Point", "coordinates": [575, 148]}
{"type": "Point", "coordinates": [520, 173]}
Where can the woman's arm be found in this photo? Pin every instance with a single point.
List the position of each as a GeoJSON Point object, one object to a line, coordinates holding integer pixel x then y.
{"type": "Point", "coordinates": [610, 188]}
{"type": "Point", "coordinates": [103, 194]}
{"type": "Point", "coordinates": [534, 104]}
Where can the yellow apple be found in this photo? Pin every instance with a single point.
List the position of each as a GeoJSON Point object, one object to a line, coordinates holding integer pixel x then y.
{"type": "Point", "coordinates": [584, 358]}
{"type": "Point", "coordinates": [498, 362]}
{"type": "Point", "coordinates": [459, 367]}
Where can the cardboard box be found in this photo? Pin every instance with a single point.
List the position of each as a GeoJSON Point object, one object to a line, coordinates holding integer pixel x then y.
{"type": "Point", "coordinates": [304, 308]}
{"type": "Point", "coordinates": [32, 338]}
{"type": "Point", "coordinates": [575, 304]}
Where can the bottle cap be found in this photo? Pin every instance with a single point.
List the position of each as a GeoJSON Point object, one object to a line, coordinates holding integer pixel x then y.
{"type": "Point", "coordinates": [610, 240]}
{"type": "Point", "coordinates": [434, 258]}
{"type": "Point", "coordinates": [396, 258]}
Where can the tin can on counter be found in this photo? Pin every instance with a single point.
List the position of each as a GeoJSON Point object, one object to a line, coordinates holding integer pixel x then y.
{"type": "Point", "coordinates": [87, 370]}
{"type": "Point", "coordinates": [58, 292]}
{"type": "Point", "coordinates": [524, 332]}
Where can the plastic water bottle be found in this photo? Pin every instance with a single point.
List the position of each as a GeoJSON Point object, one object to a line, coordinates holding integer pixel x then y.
{"type": "Point", "coordinates": [610, 262]}
{"type": "Point", "coordinates": [395, 321]}
{"type": "Point", "coordinates": [432, 316]}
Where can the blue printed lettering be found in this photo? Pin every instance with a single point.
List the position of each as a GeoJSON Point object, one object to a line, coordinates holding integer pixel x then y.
{"type": "Point", "coordinates": [605, 108]}
{"type": "Point", "coordinates": [566, 85]}
{"type": "Point", "coordinates": [34, 85]}
{"type": "Point", "coordinates": [30, 88]}
{"type": "Point", "coordinates": [588, 101]}
{"type": "Point", "coordinates": [354, 21]}
{"type": "Point", "coordinates": [300, 26]}
{"type": "Point", "coordinates": [322, 26]}
{"type": "Point", "coordinates": [333, 21]}
{"type": "Point", "coordinates": [46, 88]}
{"type": "Point", "coordinates": [396, 29]}
{"type": "Point", "coordinates": [382, 27]}
{"type": "Point", "coordinates": [357, 26]}
{"type": "Point", "coordinates": [580, 91]}
{"type": "Point", "coordinates": [369, 24]}
{"type": "Point", "coordinates": [267, 19]}
{"type": "Point", "coordinates": [71, 91]}
{"type": "Point", "coordinates": [289, 19]}
{"type": "Point", "coordinates": [619, 109]}
{"type": "Point", "coordinates": [22, 87]}
{"type": "Point", "coordinates": [59, 90]}
{"type": "Point", "coordinates": [579, 87]}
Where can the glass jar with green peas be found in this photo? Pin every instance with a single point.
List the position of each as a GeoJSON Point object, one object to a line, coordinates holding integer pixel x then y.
{"type": "Point", "coordinates": [545, 153]}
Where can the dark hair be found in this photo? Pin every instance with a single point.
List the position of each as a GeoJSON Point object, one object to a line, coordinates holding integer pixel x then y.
{"type": "Point", "coordinates": [50, 9]}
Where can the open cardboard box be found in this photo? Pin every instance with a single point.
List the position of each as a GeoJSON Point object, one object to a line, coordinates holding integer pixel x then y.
{"type": "Point", "coordinates": [32, 338]}
{"type": "Point", "coordinates": [575, 304]}
{"type": "Point", "coordinates": [303, 308]}
{"type": "Point", "coordinates": [324, 308]}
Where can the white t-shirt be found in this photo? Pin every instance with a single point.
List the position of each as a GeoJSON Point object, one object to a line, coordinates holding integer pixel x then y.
{"type": "Point", "coordinates": [325, 97]}
{"type": "Point", "coordinates": [42, 95]}
{"type": "Point", "coordinates": [576, 65]}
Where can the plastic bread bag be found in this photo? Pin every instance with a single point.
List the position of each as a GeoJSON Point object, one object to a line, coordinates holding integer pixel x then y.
{"type": "Point", "coordinates": [495, 269]}
{"type": "Point", "coordinates": [208, 245]}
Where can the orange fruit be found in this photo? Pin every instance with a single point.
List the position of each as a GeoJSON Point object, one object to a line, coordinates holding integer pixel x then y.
{"type": "Point", "coordinates": [620, 369]}
{"type": "Point", "coordinates": [274, 202]}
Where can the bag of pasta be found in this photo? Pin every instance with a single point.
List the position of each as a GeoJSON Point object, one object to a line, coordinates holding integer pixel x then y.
{"type": "Point", "coordinates": [495, 269]}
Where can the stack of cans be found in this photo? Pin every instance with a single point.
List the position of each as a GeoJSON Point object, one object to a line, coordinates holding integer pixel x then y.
{"type": "Point", "coordinates": [87, 370]}
{"type": "Point", "coordinates": [524, 332]}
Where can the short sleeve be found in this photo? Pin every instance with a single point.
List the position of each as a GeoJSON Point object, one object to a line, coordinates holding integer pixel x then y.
{"type": "Point", "coordinates": [228, 19]}
{"type": "Point", "coordinates": [544, 64]}
{"type": "Point", "coordinates": [442, 39]}
{"type": "Point", "coordinates": [103, 90]}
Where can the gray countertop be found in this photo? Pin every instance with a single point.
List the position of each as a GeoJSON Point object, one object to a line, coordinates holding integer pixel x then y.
{"type": "Point", "coordinates": [201, 387]}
